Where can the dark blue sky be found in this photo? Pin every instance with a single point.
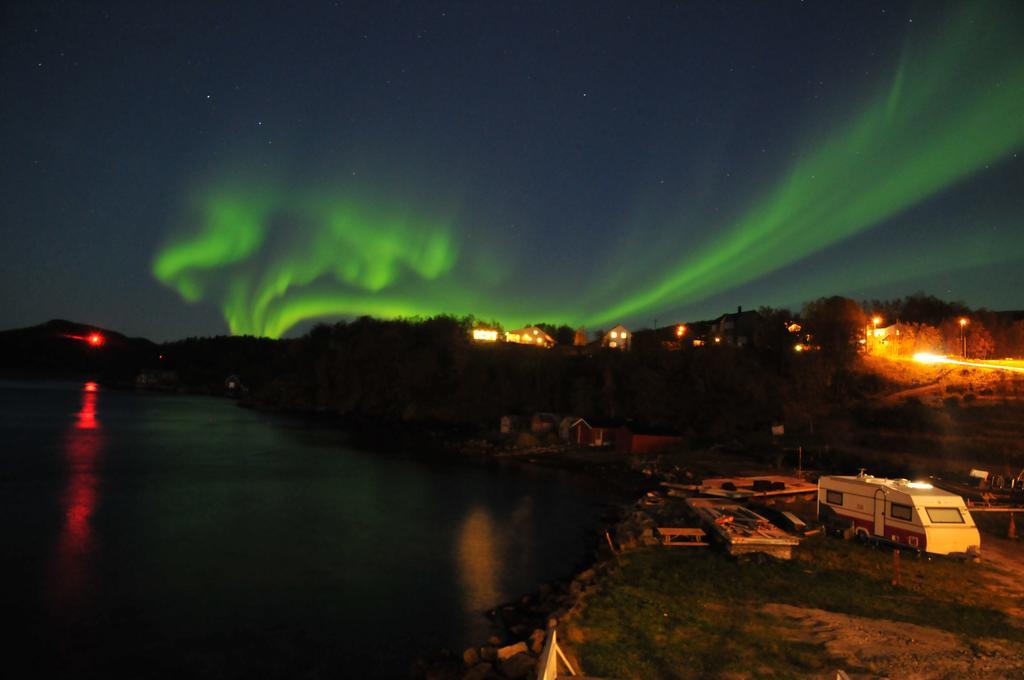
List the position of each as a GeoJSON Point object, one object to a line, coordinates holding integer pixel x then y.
{"type": "Point", "coordinates": [576, 155]}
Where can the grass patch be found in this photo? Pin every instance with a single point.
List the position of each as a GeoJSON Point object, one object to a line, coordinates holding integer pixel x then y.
{"type": "Point", "coordinates": [681, 615]}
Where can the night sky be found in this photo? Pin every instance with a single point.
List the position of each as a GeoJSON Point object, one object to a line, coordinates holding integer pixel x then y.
{"type": "Point", "coordinates": [175, 168]}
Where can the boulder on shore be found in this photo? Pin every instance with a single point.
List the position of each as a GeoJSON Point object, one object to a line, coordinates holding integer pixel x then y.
{"type": "Point", "coordinates": [505, 653]}
{"type": "Point", "coordinates": [518, 666]}
{"type": "Point", "coordinates": [479, 672]}
{"type": "Point", "coordinates": [537, 641]}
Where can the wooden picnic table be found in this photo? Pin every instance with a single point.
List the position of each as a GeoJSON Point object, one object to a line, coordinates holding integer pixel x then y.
{"type": "Point", "coordinates": [683, 536]}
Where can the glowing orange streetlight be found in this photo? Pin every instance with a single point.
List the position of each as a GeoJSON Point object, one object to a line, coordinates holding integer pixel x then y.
{"type": "Point", "coordinates": [680, 330]}
{"type": "Point", "coordinates": [963, 337]}
{"type": "Point", "coordinates": [872, 332]}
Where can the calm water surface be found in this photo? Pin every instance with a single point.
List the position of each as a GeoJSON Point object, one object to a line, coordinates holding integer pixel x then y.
{"type": "Point", "coordinates": [157, 535]}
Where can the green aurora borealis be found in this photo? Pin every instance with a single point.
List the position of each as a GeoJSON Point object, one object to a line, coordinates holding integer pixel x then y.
{"type": "Point", "coordinates": [266, 287]}
{"type": "Point", "coordinates": [273, 254]}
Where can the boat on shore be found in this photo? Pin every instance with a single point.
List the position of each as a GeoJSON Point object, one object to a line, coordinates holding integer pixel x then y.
{"type": "Point", "coordinates": [741, 530]}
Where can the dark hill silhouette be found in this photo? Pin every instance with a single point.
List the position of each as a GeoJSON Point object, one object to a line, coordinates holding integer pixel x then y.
{"type": "Point", "coordinates": [61, 348]}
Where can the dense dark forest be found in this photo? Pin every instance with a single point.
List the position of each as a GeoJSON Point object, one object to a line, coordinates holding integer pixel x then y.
{"type": "Point", "coordinates": [429, 372]}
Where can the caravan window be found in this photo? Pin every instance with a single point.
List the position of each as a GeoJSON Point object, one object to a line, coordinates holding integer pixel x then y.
{"type": "Point", "coordinates": [945, 515]}
{"type": "Point", "coordinates": [901, 512]}
{"type": "Point", "coordinates": [834, 497]}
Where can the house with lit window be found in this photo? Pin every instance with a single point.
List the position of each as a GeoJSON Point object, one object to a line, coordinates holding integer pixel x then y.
{"type": "Point", "coordinates": [531, 335]}
{"type": "Point", "coordinates": [617, 338]}
{"type": "Point", "coordinates": [736, 329]}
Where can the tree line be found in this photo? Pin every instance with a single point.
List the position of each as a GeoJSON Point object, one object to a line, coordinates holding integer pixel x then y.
{"type": "Point", "coordinates": [429, 371]}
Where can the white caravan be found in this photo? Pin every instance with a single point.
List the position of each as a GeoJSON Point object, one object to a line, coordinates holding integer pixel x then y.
{"type": "Point", "coordinates": [914, 514]}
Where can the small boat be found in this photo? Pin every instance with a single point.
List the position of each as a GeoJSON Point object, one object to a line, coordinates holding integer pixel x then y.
{"type": "Point", "coordinates": [741, 530]}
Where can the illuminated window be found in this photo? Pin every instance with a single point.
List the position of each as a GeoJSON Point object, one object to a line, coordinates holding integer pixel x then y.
{"type": "Point", "coordinates": [485, 335]}
{"type": "Point", "coordinates": [613, 344]}
{"type": "Point", "coordinates": [902, 512]}
{"type": "Point", "coordinates": [615, 334]}
{"type": "Point", "coordinates": [945, 515]}
{"type": "Point", "coordinates": [623, 336]}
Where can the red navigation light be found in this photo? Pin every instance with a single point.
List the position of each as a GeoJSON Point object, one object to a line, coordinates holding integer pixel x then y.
{"type": "Point", "coordinates": [95, 339]}
{"type": "Point", "coordinates": [91, 386]}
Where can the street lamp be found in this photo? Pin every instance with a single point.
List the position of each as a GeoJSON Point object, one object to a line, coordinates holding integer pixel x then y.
{"type": "Point", "coordinates": [963, 337]}
{"type": "Point", "coordinates": [875, 320]}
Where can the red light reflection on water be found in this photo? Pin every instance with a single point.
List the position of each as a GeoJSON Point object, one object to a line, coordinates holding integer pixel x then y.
{"type": "Point", "coordinates": [83, 444]}
{"type": "Point", "coordinates": [85, 419]}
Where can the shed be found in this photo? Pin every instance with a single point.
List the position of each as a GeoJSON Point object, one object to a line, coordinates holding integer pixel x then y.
{"type": "Point", "coordinates": [593, 433]}
{"type": "Point", "coordinates": [542, 423]}
{"type": "Point", "coordinates": [510, 424]}
{"type": "Point", "coordinates": [633, 439]}
{"type": "Point", "coordinates": [565, 427]}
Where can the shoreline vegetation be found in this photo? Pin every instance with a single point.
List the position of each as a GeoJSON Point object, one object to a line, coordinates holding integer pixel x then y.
{"type": "Point", "coordinates": [649, 611]}
{"type": "Point", "coordinates": [742, 618]}
{"type": "Point", "coordinates": [642, 610]}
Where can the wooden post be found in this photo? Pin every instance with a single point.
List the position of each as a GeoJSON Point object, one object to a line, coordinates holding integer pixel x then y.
{"type": "Point", "coordinates": [611, 546]}
{"type": "Point", "coordinates": [561, 655]}
{"type": "Point", "coordinates": [1011, 531]}
{"type": "Point", "coordinates": [895, 567]}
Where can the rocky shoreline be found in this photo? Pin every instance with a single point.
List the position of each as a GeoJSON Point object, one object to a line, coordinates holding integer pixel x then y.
{"type": "Point", "coordinates": [526, 620]}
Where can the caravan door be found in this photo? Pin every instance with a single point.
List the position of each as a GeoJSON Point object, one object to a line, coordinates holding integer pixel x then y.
{"type": "Point", "coordinates": [879, 513]}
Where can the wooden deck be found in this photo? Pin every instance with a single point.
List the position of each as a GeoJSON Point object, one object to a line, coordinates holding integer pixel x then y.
{"type": "Point", "coordinates": [745, 487]}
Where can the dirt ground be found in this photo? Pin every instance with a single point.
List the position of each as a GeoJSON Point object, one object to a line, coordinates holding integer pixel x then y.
{"type": "Point", "coordinates": [870, 648]}
{"type": "Point", "coordinates": [879, 648]}
{"type": "Point", "coordinates": [1006, 575]}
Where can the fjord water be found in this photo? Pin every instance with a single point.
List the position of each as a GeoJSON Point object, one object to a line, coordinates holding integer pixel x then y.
{"type": "Point", "coordinates": [166, 535]}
